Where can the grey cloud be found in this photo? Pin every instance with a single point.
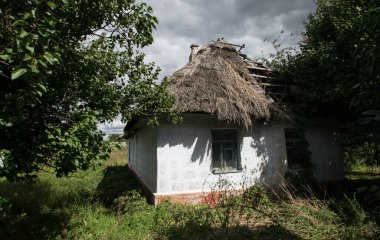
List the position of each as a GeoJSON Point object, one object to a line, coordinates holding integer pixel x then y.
{"type": "Point", "coordinates": [183, 22]}
{"type": "Point", "coordinates": [271, 7]}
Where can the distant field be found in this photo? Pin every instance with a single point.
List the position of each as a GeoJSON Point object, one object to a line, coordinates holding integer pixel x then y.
{"type": "Point", "coordinates": [119, 157]}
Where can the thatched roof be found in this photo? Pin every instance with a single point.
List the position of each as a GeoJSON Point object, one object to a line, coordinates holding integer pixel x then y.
{"type": "Point", "coordinates": [216, 81]}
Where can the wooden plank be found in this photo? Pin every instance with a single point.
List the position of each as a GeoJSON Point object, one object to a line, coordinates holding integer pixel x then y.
{"type": "Point", "coordinates": [277, 93]}
{"type": "Point", "coordinates": [274, 85]}
{"type": "Point", "coordinates": [262, 76]}
{"type": "Point", "coordinates": [259, 68]}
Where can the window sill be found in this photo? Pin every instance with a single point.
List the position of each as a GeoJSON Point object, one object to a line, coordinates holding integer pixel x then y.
{"type": "Point", "coordinates": [220, 171]}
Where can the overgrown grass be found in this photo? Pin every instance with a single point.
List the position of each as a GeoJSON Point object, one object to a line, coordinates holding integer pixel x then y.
{"type": "Point", "coordinates": [106, 203]}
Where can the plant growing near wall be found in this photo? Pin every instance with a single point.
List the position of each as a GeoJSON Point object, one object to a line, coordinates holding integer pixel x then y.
{"type": "Point", "coordinates": [230, 207]}
{"type": "Point", "coordinates": [351, 211]}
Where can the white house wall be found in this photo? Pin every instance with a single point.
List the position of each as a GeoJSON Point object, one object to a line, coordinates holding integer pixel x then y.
{"type": "Point", "coordinates": [142, 156]}
{"type": "Point", "coordinates": [184, 155]}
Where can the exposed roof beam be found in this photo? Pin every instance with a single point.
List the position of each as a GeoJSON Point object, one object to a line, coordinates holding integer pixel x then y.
{"type": "Point", "coordinates": [262, 76]}
{"type": "Point", "coordinates": [274, 85]}
{"type": "Point", "coordinates": [259, 68]}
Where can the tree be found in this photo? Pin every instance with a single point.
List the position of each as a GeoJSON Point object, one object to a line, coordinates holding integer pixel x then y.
{"type": "Point", "coordinates": [64, 67]}
{"type": "Point", "coordinates": [338, 62]}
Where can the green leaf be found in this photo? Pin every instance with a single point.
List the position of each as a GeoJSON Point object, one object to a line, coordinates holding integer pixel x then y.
{"type": "Point", "coordinates": [31, 49]}
{"type": "Point", "coordinates": [18, 73]}
{"type": "Point", "coordinates": [43, 63]}
{"type": "Point", "coordinates": [51, 5]}
{"type": "Point", "coordinates": [42, 87]}
{"type": "Point", "coordinates": [50, 58]}
{"type": "Point", "coordinates": [27, 15]}
{"type": "Point", "coordinates": [4, 123]}
{"type": "Point", "coordinates": [23, 33]}
{"type": "Point", "coordinates": [27, 57]}
{"type": "Point", "coordinates": [20, 23]}
{"type": "Point", "coordinates": [34, 69]}
{"type": "Point", "coordinates": [33, 66]}
{"type": "Point", "coordinates": [5, 57]}
{"type": "Point", "coordinates": [9, 50]}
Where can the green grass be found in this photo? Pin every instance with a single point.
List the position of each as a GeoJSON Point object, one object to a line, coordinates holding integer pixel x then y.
{"type": "Point", "coordinates": [364, 173]}
{"type": "Point", "coordinates": [106, 203]}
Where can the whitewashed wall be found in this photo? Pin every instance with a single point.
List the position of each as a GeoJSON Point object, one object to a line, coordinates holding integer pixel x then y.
{"type": "Point", "coordinates": [142, 157]}
{"type": "Point", "coordinates": [184, 155]}
{"type": "Point", "coordinates": [174, 159]}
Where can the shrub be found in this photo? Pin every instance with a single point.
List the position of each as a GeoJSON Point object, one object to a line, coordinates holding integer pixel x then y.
{"type": "Point", "coordinates": [4, 206]}
{"type": "Point", "coordinates": [130, 202]}
{"type": "Point", "coordinates": [256, 197]}
{"type": "Point", "coordinates": [351, 211]}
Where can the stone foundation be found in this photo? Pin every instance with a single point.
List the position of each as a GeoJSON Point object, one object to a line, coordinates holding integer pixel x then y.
{"type": "Point", "coordinates": [186, 198]}
{"type": "Point", "coordinates": [208, 198]}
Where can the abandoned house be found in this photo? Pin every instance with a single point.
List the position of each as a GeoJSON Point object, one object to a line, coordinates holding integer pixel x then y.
{"type": "Point", "coordinates": [237, 125]}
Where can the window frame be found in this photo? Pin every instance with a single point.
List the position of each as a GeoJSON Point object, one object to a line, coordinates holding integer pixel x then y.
{"type": "Point", "coordinates": [294, 164]}
{"type": "Point", "coordinates": [238, 167]}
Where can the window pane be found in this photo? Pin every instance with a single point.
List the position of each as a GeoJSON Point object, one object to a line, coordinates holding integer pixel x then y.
{"type": "Point", "coordinates": [224, 150]}
{"type": "Point", "coordinates": [229, 154]}
{"type": "Point", "coordinates": [217, 155]}
{"type": "Point", "coordinates": [297, 148]}
{"type": "Point", "coordinates": [226, 135]}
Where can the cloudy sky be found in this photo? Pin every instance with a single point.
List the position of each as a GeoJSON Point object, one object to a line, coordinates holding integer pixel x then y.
{"type": "Point", "coordinates": [249, 22]}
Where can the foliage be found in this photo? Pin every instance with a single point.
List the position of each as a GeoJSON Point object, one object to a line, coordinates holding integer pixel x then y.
{"type": "Point", "coordinates": [130, 202]}
{"type": "Point", "coordinates": [115, 138]}
{"type": "Point", "coordinates": [64, 67]}
{"type": "Point", "coordinates": [338, 59]}
{"type": "Point", "coordinates": [256, 197]}
{"type": "Point", "coordinates": [359, 147]}
{"type": "Point", "coordinates": [351, 210]}
{"type": "Point", "coordinates": [4, 207]}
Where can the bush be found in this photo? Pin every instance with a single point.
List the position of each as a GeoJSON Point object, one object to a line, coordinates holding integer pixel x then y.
{"type": "Point", "coordinates": [256, 197]}
{"type": "Point", "coordinates": [4, 206]}
{"type": "Point", "coordinates": [359, 147]}
{"type": "Point", "coordinates": [130, 202]}
{"type": "Point", "coordinates": [351, 211]}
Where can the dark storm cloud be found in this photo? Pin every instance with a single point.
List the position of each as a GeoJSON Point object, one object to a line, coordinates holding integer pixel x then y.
{"type": "Point", "coordinates": [183, 22]}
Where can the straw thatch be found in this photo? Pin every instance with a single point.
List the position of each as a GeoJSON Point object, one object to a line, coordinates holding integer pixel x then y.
{"type": "Point", "coordinates": [217, 81]}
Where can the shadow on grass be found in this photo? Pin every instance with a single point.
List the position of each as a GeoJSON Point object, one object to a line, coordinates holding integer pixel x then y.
{"type": "Point", "coordinates": [355, 179]}
{"type": "Point", "coordinates": [117, 180]}
{"type": "Point", "coordinates": [239, 232]}
{"type": "Point", "coordinates": [31, 212]}
{"type": "Point", "coordinates": [43, 210]}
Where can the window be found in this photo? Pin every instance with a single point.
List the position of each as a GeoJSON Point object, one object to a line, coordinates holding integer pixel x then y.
{"type": "Point", "coordinates": [297, 148]}
{"type": "Point", "coordinates": [224, 151]}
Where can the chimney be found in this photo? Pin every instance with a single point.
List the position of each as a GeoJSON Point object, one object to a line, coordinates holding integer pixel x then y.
{"type": "Point", "coordinates": [194, 50]}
